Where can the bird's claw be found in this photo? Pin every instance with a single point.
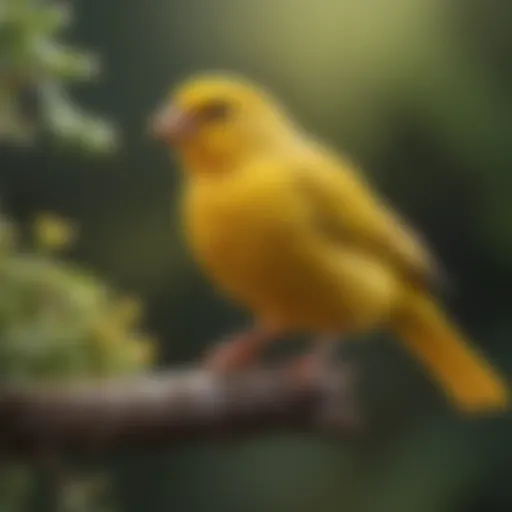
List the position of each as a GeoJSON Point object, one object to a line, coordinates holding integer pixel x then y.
{"type": "Point", "coordinates": [237, 353]}
{"type": "Point", "coordinates": [337, 384]}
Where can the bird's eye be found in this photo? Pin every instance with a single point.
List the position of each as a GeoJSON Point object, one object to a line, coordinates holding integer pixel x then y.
{"type": "Point", "coordinates": [217, 111]}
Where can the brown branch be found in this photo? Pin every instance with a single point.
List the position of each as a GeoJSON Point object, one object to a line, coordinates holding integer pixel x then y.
{"type": "Point", "coordinates": [171, 407]}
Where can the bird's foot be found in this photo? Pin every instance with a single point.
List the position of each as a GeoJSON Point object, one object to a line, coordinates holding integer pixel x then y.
{"type": "Point", "coordinates": [238, 352]}
{"type": "Point", "coordinates": [307, 367]}
{"type": "Point", "coordinates": [316, 362]}
{"type": "Point", "coordinates": [337, 388]}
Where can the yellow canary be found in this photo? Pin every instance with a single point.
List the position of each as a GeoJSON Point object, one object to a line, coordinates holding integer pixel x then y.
{"type": "Point", "coordinates": [294, 232]}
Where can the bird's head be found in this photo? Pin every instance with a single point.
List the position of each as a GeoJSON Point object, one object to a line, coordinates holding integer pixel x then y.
{"type": "Point", "coordinates": [215, 120]}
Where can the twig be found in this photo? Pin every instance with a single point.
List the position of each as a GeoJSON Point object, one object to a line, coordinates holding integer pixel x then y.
{"type": "Point", "coordinates": [172, 407]}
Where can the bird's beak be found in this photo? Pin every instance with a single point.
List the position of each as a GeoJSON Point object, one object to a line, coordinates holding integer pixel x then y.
{"type": "Point", "coordinates": [171, 124]}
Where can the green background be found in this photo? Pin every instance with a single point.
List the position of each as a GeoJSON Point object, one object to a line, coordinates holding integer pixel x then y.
{"type": "Point", "coordinates": [418, 92]}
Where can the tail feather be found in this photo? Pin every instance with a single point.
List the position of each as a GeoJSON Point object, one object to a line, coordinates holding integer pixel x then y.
{"type": "Point", "coordinates": [467, 378]}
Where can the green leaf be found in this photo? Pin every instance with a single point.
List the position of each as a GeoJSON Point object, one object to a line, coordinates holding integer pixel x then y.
{"type": "Point", "coordinates": [33, 55]}
{"type": "Point", "coordinates": [55, 60]}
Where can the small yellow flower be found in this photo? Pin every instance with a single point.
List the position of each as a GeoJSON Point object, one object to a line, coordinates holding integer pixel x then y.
{"type": "Point", "coordinates": [109, 332]}
{"type": "Point", "coordinates": [128, 311]}
{"type": "Point", "coordinates": [53, 232]}
{"type": "Point", "coordinates": [143, 350]}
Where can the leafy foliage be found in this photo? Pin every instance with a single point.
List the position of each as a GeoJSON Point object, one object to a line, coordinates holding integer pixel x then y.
{"type": "Point", "coordinates": [35, 68]}
{"type": "Point", "coordinates": [57, 320]}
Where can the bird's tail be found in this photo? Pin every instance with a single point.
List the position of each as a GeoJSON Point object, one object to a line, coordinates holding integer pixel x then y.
{"type": "Point", "coordinates": [466, 377]}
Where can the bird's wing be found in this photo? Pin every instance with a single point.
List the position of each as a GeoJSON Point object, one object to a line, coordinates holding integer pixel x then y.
{"type": "Point", "coordinates": [345, 209]}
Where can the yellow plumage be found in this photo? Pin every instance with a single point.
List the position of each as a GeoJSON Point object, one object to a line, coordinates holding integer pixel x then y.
{"type": "Point", "coordinates": [294, 233]}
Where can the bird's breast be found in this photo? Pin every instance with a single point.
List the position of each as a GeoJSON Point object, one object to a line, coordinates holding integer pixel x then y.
{"type": "Point", "coordinates": [251, 235]}
{"type": "Point", "coordinates": [243, 229]}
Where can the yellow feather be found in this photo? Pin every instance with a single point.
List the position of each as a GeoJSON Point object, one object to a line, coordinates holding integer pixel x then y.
{"type": "Point", "coordinates": [293, 232]}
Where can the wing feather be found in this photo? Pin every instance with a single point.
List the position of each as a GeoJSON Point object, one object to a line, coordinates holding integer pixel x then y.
{"type": "Point", "coordinates": [345, 209]}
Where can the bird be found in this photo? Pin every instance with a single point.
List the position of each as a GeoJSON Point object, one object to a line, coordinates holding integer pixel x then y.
{"type": "Point", "coordinates": [293, 231]}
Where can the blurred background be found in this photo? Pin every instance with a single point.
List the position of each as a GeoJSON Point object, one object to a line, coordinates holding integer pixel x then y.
{"type": "Point", "coordinates": [416, 91]}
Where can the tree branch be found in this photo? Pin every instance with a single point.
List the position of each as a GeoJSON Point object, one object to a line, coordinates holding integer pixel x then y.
{"type": "Point", "coordinates": [173, 406]}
